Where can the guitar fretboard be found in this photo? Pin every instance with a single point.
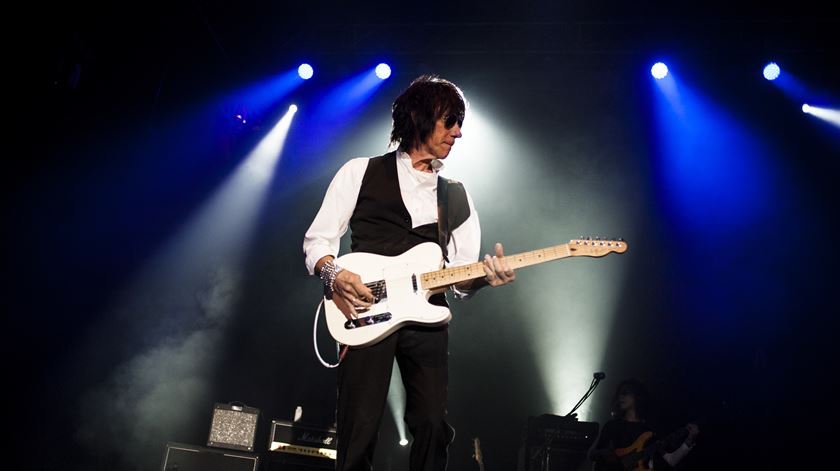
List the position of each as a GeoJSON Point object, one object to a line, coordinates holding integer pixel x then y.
{"type": "Point", "coordinates": [454, 275]}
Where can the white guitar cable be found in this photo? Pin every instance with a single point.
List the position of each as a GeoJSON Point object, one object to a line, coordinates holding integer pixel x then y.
{"type": "Point", "coordinates": [315, 340]}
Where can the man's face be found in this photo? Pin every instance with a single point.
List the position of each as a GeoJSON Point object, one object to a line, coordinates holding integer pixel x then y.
{"type": "Point", "coordinates": [442, 139]}
{"type": "Point", "coordinates": [626, 400]}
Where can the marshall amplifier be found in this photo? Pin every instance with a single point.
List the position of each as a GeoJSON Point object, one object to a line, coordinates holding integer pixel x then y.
{"type": "Point", "coordinates": [296, 444]}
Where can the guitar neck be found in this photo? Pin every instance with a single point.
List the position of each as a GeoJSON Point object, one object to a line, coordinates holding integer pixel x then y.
{"type": "Point", "coordinates": [450, 276]}
{"type": "Point", "coordinates": [477, 454]}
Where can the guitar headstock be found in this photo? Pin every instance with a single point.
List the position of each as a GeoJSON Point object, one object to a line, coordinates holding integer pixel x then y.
{"type": "Point", "coordinates": [477, 453]}
{"type": "Point", "coordinates": [596, 247]}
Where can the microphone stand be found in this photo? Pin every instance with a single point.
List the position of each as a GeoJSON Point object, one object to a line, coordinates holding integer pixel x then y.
{"type": "Point", "coordinates": [596, 380]}
{"type": "Point", "coordinates": [571, 416]}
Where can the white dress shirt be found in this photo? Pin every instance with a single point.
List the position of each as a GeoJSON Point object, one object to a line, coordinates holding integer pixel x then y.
{"type": "Point", "coordinates": [419, 194]}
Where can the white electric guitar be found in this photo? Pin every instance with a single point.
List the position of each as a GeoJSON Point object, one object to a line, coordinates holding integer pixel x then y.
{"type": "Point", "coordinates": [402, 285]}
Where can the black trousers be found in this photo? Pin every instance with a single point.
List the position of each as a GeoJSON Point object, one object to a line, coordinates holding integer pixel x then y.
{"type": "Point", "coordinates": [363, 380]}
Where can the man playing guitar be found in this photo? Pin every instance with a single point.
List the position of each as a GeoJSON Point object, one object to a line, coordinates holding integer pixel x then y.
{"type": "Point", "coordinates": [390, 203]}
{"type": "Point", "coordinates": [628, 443]}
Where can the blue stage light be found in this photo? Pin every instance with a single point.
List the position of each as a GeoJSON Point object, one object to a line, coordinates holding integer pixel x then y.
{"type": "Point", "coordinates": [659, 70]}
{"type": "Point", "coordinates": [306, 71]}
{"type": "Point", "coordinates": [293, 108]}
{"type": "Point", "coordinates": [771, 71]}
{"type": "Point", "coordinates": [806, 108]}
{"type": "Point", "coordinates": [383, 71]}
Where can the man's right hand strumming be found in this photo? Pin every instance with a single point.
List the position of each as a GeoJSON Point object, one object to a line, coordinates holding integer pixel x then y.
{"type": "Point", "coordinates": [349, 294]}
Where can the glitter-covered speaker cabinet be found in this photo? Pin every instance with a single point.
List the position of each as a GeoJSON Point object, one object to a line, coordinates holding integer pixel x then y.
{"type": "Point", "coordinates": [234, 426]}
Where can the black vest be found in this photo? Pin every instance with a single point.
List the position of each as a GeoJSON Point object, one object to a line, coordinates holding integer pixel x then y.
{"type": "Point", "coordinates": [380, 223]}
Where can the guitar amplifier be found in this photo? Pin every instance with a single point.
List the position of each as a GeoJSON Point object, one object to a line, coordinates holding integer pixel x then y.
{"type": "Point", "coordinates": [181, 457]}
{"type": "Point", "coordinates": [233, 426]}
{"type": "Point", "coordinates": [301, 444]}
{"type": "Point", "coordinates": [552, 442]}
{"type": "Point", "coordinates": [560, 432]}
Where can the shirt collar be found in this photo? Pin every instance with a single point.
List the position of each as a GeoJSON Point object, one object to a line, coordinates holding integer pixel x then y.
{"type": "Point", "coordinates": [404, 156]}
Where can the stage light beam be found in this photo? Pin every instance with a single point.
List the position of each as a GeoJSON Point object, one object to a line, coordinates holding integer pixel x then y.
{"type": "Point", "coordinates": [396, 402]}
{"type": "Point", "coordinates": [261, 162]}
{"type": "Point", "coordinates": [202, 263]}
{"type": "Point", "coordinates": [771, 71]}
{"type": "Point", "coordinates": [659, 70]}
{"type": "Point", "coordinates": [592, 292]}
{"type": "Point", "coordinates": [829, 115]}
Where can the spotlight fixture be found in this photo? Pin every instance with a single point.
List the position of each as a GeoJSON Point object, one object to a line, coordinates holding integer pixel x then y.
{"type": "Point", "coordinates": [659, 70]}
{"type": "Point", "coordinates": [293, 109]}
{"type": "Point", "coordinates": [306, 71]}
{"type": "Point", "coordinates": [403, 441]}
{"type": "Point", "coordinates": [806, 108]}
{"type": "Point", "coordinates": [383, 71]}
{"type": "Point", "coordinates": [771, 71]}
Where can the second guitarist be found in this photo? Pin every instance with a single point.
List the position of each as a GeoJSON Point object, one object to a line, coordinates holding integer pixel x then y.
{"type": "Point", "coordinates": [627, 441]}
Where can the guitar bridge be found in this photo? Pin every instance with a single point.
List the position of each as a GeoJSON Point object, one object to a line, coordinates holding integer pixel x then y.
{"type": "Point", "coordinates": [368, 320]}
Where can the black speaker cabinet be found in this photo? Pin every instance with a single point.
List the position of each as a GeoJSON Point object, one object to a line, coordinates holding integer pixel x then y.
{"type": "Point", "coordinates": [556, 443]}
{"type": "Point", "coordinates": [533, 458]}
{"type": "Point", "coordinates": [181, 457]}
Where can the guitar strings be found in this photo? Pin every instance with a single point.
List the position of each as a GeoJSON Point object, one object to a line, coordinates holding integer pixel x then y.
{"type": "Point", "coordinates": [378, 289]}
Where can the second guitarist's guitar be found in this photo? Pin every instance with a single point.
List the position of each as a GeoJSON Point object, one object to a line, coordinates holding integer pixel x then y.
{"type": "Point", "coordinates": [638, 454]}
{"type": "Point", "coordinates": [402, 285]}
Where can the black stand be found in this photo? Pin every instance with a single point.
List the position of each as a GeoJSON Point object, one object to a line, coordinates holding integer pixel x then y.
{"type": "Point", "coordinates": [596, 380]}
{"type": "Point", "coordinates": [545, 449]}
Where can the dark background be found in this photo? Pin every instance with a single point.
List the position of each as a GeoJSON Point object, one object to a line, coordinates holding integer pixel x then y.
{"type": "Point", "coordinates": [724, 305]}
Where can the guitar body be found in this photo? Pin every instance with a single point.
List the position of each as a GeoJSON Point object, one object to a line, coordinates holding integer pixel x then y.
{"type": "Point", "coordinates": [405, 303]}
{"type": "Point", "coordinates": [629, 455]}
{"type": "Point", "coordinates": [636, 457]}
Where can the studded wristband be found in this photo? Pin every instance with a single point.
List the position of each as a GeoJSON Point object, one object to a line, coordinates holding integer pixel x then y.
{"type": "Point", "coordinates": [328, 273]}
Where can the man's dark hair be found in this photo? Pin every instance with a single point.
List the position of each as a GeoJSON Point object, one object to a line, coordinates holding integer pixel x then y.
{"type": "Point", "coordinates": [641, 398]}
{"type": "Point", "coordinates": [418, 108]}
